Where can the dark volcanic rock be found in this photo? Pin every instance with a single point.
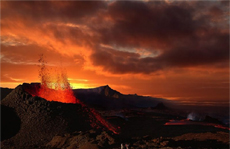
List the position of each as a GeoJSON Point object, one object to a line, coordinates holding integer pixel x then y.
{"type": "Point", "coordinates": [104, 138]}
{"type": "Point", "coordinates": [40, 119]}
{"type": "Point", "coordinates": [160, 106]}
{"type": "Point", "coordinates": [212, 120]}
{"type": "Point", "coordinates": [4, 92]}
{"type": "Point", "coordinates": [72, 141]}
{"type": "Point", "coordinates": [10, 123]}
{"type": "Point", "coordinates": [83, 140]}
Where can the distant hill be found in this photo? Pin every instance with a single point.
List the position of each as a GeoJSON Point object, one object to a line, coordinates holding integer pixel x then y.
{"type": "Point", "coordinates": [104, 97]}
{"type": "Point", "coordinates": [102, 90]}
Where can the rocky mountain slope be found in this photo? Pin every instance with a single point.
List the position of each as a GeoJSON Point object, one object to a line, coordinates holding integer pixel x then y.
{"type": "Point", "coordinates": [39, 120]}
{"type": "Point", "coordinates": [32, 122]}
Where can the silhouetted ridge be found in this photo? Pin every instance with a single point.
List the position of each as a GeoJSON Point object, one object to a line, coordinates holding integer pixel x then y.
{"type": "Point", "coordinates": [160, 106]}
{"type": "Point", "coordinates": [212, 120]}
{"type": "Point", "coordinates": [102, 90]}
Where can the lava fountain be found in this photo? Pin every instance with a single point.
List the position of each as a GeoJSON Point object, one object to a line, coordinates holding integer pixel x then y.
{"type": "Point", "coordinates": [57, 88]}
{"type": "Point", "coordinates": [54, 88]}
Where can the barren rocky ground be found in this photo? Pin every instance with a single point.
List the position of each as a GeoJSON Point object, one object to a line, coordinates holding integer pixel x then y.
{"type": "Point", "coordinates": [33, 122]}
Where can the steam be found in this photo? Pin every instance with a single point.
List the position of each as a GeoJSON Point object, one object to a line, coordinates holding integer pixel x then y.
{"type": "Point", "coordinates": [194, 117]}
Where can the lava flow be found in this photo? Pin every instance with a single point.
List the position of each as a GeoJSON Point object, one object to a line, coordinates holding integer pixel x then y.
{"type": "Point", "coordinates": [58, 89]}
{"type": "Point", "coordinates": [189, 122]}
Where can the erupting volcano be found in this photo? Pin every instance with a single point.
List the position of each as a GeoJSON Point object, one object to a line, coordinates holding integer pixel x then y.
{"type": "Point", "coordinates": [54, 88]}
{"type": "Point", "coordinates": [57, 88]}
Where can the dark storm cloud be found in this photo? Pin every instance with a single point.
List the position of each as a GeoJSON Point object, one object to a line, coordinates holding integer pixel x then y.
{"type": "Point", "coordinates": [148, 25]}
{"type": "Point", "coordinates": [51, 18]}
{"type": "Point", "coordinates": [184, 37]}
{"type": "Point", "coordinates": [63, 33]}
{"type": "Point", "coordinates": [119, 62]}
{"type": "Point", "coordinates": [184, 33]}
{"type": "Point", "coordinates": [215, 11]}
{"type": "Point", "coordinates": [50, 10]}
{"type": "Point", "coordinates": [213, 50]}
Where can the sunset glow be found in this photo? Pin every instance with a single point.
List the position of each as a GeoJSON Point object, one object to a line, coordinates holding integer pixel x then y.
{"type": "Point", "coordinates": [173, 50]}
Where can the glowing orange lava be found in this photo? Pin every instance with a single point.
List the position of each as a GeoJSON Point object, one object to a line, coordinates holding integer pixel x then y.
{"type": "Point", "coordinates": [65, 95]}
{"type": "Point", "coordinates": [54, 88]}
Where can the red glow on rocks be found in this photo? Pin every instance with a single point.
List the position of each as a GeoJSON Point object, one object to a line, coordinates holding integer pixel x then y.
{"type": "Point", "coordinates": [104, 122]}
{"type": "Point", "coordinates": [65, 95]}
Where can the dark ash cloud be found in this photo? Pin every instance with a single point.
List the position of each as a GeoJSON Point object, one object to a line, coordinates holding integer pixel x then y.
{"type": "Point", "coordinates": [36, 12]}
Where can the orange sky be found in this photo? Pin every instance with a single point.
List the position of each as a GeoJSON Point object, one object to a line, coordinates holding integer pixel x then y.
{"type": "Point", "coordinates": [173, 50]}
